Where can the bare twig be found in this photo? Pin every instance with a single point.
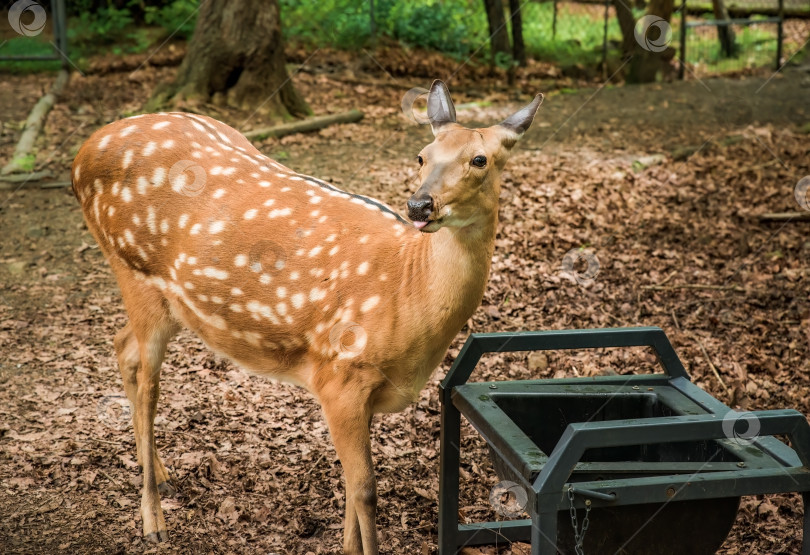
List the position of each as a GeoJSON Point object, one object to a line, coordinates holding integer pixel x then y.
{"type": "Point", "coordinates": [694, 286]}
{"type": "Point", "coordinates": [712, 366]}
{"type": "Point", "coordinates": [785, 217]}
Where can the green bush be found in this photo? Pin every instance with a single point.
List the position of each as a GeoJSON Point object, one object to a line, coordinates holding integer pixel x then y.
{"type": "Point", "coordinates": [450, 26]}
{"type": "Point", "coordinates": [176, 18]}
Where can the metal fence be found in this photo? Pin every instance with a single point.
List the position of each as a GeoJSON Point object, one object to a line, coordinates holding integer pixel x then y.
{"type": "Point", "coordinates": [33, 31]}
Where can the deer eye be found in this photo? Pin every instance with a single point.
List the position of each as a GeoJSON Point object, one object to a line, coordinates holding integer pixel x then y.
{"type": "Point", "coordinates": [479, 161]}
{"type": "Point", "coordinates": [420, 160]}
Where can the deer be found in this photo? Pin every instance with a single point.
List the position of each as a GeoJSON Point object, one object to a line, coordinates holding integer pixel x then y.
{"type": "Point", "coordinates": [289, 276]}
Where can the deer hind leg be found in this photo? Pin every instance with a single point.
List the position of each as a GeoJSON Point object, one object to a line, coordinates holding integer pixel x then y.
{"type": "Point", "coordinates": [129, 360]}
{"type": "Point", "coordinates": [149, 330]}
{"type": "Point", "coordinates": [348, 417]}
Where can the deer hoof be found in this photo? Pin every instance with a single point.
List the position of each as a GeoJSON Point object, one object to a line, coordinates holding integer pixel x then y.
{"type": "Point", "coordinates": [158, 537]}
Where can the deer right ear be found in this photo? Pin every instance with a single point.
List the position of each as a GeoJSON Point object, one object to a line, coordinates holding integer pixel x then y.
{"type": "Point", "coordinates": [515, 125]}
{"type": "Point", "coordinates": [440, 108]}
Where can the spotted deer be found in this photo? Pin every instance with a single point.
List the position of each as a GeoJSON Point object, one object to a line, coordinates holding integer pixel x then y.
{"type": "Point", "coordinates": [289, 276]}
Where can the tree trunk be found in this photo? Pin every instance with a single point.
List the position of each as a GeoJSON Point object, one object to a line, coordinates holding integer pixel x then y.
{"type": "Point", "coordinates": [518, 48]}
{"type": "Point", "coordinates": [498, 35]}
{"type": "Point", "coordinates": [627, 24]}
{"type": "Point", "coordinates": [728, 42]}
{"type": "Point", "coordinates": [651, 51]}
{"type": "Point", "coordinates": [236, 57]}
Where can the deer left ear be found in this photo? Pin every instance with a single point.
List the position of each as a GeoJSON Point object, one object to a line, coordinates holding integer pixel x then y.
{"type": "Point", "coordinates": [515, 125]}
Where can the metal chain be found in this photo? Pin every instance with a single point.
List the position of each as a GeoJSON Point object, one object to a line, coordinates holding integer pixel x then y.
{"type": "Point", "coordinates": [579, 534]}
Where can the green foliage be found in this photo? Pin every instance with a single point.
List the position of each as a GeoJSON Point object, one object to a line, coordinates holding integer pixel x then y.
{"type": "Point", "coordinates": [578, 39]}
{"type": "Point", "coordinates": [26, 163]}
{"type": "Point", "coordinates": [445, 26]}
{"type": "Point", "coordinates": [27, 46]}
{"type": "Point", "coordinates": [341, 23]}
{"type": "Point", "coordinates": [455, 27]}
{"type": "Point", "coordinates": [176, 18]}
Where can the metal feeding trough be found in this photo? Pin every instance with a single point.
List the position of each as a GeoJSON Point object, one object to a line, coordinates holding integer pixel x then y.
{"type": "Point", "coordinates": [633, 464]}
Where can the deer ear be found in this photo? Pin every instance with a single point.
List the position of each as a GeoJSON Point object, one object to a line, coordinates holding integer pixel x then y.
{"type": "Point", "coordinates": [440, 108]}
{"type": "Point", "coordinates": [515, 125]}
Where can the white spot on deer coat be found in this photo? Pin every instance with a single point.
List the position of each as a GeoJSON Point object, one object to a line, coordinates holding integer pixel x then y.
{"type": "Point", "coordinates": [370, 303]}
{"type": "Point", "coordinates": [141, 185]}
{"type": "Point", "coordinates": [216, 227]}
{"type": "Point", "coordinates": [297, 300]}
{"type": "Point", "coordinates": [151, 219]}
{"type": "Point", "coordinates": [158, 176]}
{"type": "Point", "coordinates": [240, 260]}
{"type": "Point", "coordinates": [167, 144]}
{"type": "Point", "coordinates": [250, 214]}
{"type": "Point", "coordinates": [219, 193]}
{"type": "Point", "coordinates": [127, 159]}
{"type": "Point", "coordinates": [161, 125]}
{"type": "Point", "coordinates": [164, 226]}
{"type": "Point", "coordinates": [362, 269]}
{"type": "Point", "coordinates": [315, 251]}
{"type": "Point", "coordinates": [126, 194]}
{"type": "Point", "coordinates": [128, 130]}
{"type": "Point", "coordinates": [195, 229]}
{"type": "Point", "coordinates": [150, 148]}
{"type": "Point", "coordinates": [215, 273]}
{"type": "Point", "coordinates": [102, 144]}
{"type": "Point", "coordinates": [182, 221]}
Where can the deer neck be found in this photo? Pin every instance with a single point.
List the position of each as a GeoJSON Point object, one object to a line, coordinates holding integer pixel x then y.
{"type": "Point", "coordinates": [454, 265]}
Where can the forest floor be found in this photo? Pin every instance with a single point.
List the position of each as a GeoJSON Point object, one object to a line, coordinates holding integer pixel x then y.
{"type": "Point", "coordinates": [659, 185]}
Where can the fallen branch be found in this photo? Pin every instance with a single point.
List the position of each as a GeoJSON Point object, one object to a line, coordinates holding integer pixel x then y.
{"type": "Point", "coordinates": [785, 217]}
{"type": "Point", "coordinates": [25, 177]}
{"type": "Point", "coordinates": [303, 126]}
{"type": "Point", "coordinates": [33, 125]}
{"type": "Point", "coordinates": [694, 286]}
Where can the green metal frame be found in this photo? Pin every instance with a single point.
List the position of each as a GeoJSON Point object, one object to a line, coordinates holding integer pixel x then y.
{"type": "Point", "coordinates": [762, 465]}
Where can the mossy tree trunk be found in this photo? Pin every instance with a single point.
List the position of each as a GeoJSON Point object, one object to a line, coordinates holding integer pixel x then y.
{"type": "Point", "coordinates": [236, 57]}
{"type": "Point", "coordinates": [647, 62]}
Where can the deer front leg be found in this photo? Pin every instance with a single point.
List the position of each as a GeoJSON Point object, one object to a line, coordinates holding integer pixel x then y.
{"type": "Point", "coordinates": [348, 419]}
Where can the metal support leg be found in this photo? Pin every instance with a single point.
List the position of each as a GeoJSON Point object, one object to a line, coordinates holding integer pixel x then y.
{"type": "Point", "coordinates": [449, 460]}
{"type": "Point", "coordinates": [544, 531]}
{"type": "Point", "coordinates": [806, 527]}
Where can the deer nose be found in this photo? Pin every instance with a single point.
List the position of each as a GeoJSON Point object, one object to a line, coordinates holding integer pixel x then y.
{"type": "Point", "coordinates": [419, 209]}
